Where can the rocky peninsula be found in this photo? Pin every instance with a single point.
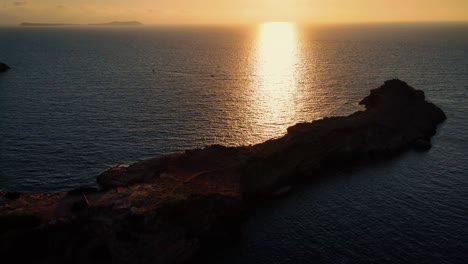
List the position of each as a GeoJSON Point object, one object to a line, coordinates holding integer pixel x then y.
{"type": "Point", "coordinates": [175, 208]}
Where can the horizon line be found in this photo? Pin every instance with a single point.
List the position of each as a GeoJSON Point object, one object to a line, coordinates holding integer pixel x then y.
{"type": "Point", "coordinates": [68, 24]}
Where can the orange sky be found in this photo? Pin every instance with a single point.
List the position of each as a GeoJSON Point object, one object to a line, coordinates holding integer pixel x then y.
{"type": "Point", "coordinates": [231, 11]}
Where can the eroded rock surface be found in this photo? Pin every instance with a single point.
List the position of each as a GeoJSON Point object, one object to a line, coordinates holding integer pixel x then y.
{"type": "Point", "coordinates": [170, 208]}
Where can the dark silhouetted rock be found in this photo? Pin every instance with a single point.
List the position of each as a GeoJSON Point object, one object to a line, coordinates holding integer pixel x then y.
{"type": "Point", "coordinates": [422, 144]}
{"type": "Point", "coordinates": [81, 204]}
{"type": "Point", "coordinates": [173, 208]}
{"type": "Point", "coordinates": [12, 195]}
{"type": "Point", "coordinates": [83, 190]}
{"type": "Point", "coordinates": [283, 191]}
{"type": "Point", "coordinates": [14, 220]}
{"type": "Point", "coordinates": [4, 67]}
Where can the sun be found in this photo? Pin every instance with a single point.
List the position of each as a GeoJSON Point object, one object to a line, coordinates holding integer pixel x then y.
{"type": "Point", "coordinates": [277, 46]}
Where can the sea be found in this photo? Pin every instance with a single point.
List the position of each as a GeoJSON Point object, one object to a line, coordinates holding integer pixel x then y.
{"type": "Point", "coordinates": [79, 100]}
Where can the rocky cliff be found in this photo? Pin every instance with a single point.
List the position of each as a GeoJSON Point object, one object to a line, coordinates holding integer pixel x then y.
{"type": "Point", "coordinates": [171, 209]}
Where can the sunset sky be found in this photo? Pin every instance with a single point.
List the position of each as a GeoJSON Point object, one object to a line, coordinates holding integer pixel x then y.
{"type": "Point", "coordinates": [231, 11]}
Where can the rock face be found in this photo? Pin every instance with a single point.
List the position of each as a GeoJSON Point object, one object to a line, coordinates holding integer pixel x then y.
{"type": "Point", "coordinates": [4, 67]}
{"type": "Point", "coordinates": [171, 209]}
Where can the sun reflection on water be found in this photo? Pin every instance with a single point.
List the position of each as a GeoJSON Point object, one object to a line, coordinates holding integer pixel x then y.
{"type": "Point", "coordinates": [275, 67]}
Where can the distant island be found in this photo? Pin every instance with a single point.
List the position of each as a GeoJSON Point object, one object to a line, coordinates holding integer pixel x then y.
{"type": "Point", "coordinates": [119, 23]}
{"type": "Point", "coordinates": [113, 23]}
{"type": "Point", "coordinates": [27, 24]}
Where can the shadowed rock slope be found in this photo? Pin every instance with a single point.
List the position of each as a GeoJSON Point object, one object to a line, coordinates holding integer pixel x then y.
{"type": "Point", "coordinates": [169, 209]}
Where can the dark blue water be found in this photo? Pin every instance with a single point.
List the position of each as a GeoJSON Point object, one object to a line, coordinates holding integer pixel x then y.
{"type": "Point", "coordinates": [79, 100]}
